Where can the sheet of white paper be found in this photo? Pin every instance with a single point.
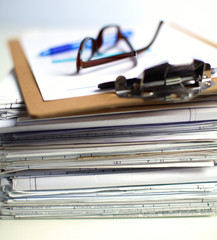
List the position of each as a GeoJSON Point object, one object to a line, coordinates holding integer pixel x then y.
{"type": "Point", "coordinates": [9, 90]}
{"type": "Point", "coordinates": [135, 178]}
{"type": "Point", "coordinates": [126, 190]}
{"type": "Point", "coordinates": [59, 80]}
{"type": "Point", "coordinates": [109, 120]}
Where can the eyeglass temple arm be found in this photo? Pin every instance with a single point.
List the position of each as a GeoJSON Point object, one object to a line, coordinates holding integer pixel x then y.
{"type": "Point", "coordinates": [153, 39]}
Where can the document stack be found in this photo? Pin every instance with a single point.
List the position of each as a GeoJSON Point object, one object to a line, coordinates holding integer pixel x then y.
{"type": "Point", "coordinates": [130, 164]}
{"type": "Point", "coordinates": [133, 162]}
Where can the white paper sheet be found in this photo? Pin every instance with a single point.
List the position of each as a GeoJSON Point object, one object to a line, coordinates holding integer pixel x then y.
{"type": "Point", "coordinates": [113, 179]}
{"type": "Point", "coordinates": [119, 119]}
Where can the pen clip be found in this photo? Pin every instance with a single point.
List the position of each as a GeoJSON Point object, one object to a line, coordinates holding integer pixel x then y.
{"type": "Point", "coordinates": [167, 82]}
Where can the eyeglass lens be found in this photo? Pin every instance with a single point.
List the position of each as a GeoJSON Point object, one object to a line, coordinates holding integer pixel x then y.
{"type": "Point", "coordinates": [109, 39]}
{"type": "Point", "coordinates": [87, 50]}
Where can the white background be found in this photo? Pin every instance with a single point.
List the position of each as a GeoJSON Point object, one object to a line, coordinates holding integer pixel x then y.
{"type": "Point", "coordinates": [197, 13]}
{"type": "Point", "coordinates": [17, 15]}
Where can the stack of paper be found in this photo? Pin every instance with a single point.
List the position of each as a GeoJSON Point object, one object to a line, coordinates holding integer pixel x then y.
{"type": "Point", "coordinates": [140, 193]}
{"type": "Point", "coordinates": [130, 164]}
{"type": "Point", "coordinates": [133, 162]}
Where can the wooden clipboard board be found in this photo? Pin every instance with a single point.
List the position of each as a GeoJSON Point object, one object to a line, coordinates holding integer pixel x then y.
{"type": "Point", "coordinates": [99, 103]}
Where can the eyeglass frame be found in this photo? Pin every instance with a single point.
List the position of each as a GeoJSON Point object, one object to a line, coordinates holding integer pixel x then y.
{"type": "Point", "coordinates": [97, 43]}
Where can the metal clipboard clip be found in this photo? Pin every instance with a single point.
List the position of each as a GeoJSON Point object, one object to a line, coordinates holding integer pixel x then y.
{"type": "Point", "coordinates": [167, 82]}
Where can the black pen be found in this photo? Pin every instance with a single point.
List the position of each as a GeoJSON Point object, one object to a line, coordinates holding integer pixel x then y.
{"type": "Point", "coordinates": [111, 85]}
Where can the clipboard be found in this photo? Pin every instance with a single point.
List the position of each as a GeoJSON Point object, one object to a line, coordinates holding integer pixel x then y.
{"type": "Point", "coordinates": [93, 104]}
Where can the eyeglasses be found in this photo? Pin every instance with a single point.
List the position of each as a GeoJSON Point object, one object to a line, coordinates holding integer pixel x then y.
{"type": "Point", "coordinates": [90, 46]}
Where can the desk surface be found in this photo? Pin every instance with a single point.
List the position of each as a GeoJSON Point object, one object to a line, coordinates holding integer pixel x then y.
{"type": "Point", "coordinates": [199, 228]}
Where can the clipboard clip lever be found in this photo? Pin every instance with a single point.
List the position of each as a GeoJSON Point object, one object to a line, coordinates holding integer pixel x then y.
{"type": "Point", "coordinates": [170, 82]}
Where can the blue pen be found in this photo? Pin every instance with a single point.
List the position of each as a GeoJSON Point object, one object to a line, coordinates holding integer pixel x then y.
{"type": "Point", "coordinates": [74, 46]}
